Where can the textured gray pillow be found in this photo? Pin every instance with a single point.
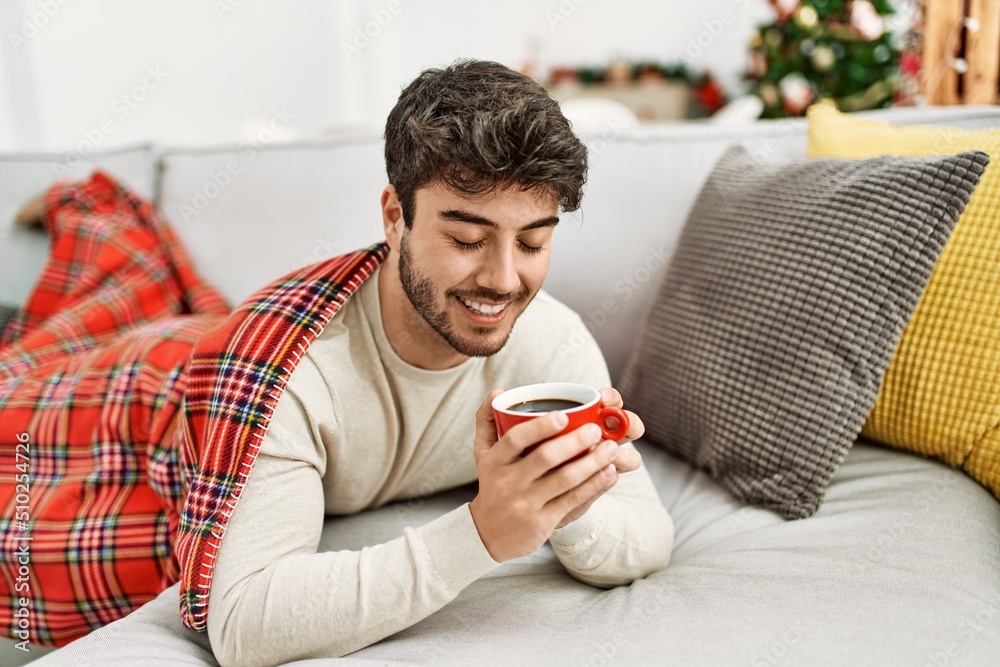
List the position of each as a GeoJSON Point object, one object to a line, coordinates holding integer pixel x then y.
{"type": "Point", "coordinates": [765, 346]}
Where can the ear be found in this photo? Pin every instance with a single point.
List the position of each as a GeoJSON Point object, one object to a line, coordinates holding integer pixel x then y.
{"type": "Point", "coordinates": [392, 217]}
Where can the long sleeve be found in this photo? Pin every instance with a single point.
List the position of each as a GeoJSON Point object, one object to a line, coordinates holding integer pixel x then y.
{"type": "Point", "coordinates": [625, 535]}
{"type": "Point", "coordinates": [274, 599]}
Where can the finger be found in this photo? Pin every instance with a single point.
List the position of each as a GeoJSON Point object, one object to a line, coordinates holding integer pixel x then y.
{"type": "Point", "coordinates": [557, 451]}
{"type": "Point", "coordinates": [610, 398]}
{"type": "Point", "coordinates": [575, 473]}
{"type": "Point", "coordinates": [589, 491]}
{"type": "Point", "coordinates": [628, 459]}
{"type": "Point", "coordinates": [526, 434]}
{"type": "Point", "coordinates": [636, 428]}
{"type": "Point", "coordinates": [486, 426]}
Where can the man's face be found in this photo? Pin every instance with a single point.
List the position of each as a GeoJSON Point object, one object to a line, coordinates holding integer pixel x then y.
{"type": "Point", "coordinates": [470, 265]}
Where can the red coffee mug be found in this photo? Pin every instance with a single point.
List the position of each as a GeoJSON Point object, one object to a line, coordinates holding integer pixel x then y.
{"type": "Point", "coordinates": [586, 409]}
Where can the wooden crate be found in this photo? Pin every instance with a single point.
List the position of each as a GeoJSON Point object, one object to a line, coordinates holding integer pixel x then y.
{"type": "Point", "coordinates": [961, 53]}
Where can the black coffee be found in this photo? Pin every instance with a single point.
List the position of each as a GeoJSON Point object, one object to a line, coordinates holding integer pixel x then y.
{"type": "Point", "coordinates": [545, 405]}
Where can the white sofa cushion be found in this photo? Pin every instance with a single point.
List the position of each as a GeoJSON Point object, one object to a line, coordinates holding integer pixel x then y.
{"type": "Point", "coordinates": [249, 216]}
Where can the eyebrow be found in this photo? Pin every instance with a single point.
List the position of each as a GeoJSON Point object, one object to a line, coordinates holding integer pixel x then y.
{"type": "Point", "coordinates": [457, 215]}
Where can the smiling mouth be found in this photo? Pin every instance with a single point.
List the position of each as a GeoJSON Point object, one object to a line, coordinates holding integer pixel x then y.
{"type": "Point", "coordinates": [483, 312]}
{"type": "Point", "coordinates": [483, 308]}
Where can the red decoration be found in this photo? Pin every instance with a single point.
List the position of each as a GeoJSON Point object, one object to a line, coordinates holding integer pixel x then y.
{"type": "Point", "coordinates": [710, 95]}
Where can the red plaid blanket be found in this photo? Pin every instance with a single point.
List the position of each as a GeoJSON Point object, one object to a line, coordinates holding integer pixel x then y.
{"type": "Point", "coordinates": [132, 406]}
{"type": "Point", "coordinates": [237, 372]}
{"type": "Point", "coordinates": [91, 375]}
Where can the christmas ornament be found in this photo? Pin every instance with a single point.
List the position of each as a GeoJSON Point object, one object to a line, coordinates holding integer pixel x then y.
{"type": "Point", "coordinates": [769, 94]}
{"type": "Point", "coordinates": [865, 20]}
{"type": "Point", "coordinates": [807, 17]}
{"type": "Point", "coordinates": [909, 63]}
{"type": "Point", "coordinates": [796, 94]}
{"type": "Point", "coordinates": [823, 58]}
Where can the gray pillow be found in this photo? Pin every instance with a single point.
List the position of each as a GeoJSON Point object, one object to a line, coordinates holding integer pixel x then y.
{"type": "Point", "coordinates": [764, 348]}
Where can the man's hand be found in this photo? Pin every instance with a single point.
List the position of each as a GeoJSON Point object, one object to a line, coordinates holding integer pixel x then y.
{"type": "Point", "coordinates": [522, 500]}
{"type": "Point", "coordinates": [628, 459]}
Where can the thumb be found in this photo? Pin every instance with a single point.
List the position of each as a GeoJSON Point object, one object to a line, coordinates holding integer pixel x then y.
{"type": "Point", "coordinates": [486, 426]}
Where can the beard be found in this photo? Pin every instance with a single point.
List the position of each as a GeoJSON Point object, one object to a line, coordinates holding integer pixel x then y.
{"type": "Point", "coordinates": [485, 341]}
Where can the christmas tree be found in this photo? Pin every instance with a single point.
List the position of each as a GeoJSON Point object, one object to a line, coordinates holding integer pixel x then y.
{"type": "Point", "coordinates": [825, 48]}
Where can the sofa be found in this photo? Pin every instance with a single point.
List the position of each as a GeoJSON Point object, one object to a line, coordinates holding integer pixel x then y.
{"type": "Point", "coordinates": [900, 565]}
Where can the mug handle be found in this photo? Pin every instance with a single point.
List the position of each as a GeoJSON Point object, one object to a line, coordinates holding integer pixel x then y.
{"type": "Point", "coordinates": [619, 432]}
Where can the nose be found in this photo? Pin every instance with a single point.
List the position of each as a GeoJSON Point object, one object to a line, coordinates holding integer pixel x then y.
{"type": "Point", "coordinates": [499, 271]}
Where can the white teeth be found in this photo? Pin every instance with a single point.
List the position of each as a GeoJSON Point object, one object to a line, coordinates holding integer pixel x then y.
{"type": "Point", "coordinates": [483, 308]}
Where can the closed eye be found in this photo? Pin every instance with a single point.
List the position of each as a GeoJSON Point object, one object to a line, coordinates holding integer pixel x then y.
{"type": "Point", "coordinates": [462, 245]}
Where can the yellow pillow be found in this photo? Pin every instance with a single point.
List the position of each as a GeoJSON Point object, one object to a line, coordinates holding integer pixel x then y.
{"type": "Point", "coordinates": [941, 393]}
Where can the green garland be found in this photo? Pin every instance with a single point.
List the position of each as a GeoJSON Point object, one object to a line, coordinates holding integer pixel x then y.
{"type": "Point", "coordinates": [669, 71]}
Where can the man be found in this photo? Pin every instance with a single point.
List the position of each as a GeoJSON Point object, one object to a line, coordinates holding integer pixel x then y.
{"type": "Point", "coordinates": [381, 406]}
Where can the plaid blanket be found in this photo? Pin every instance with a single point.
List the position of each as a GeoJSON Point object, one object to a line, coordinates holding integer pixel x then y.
{"type": "Point", "coordinates": [91, 376]}
{"type": "Point", "coordinates": [132, 406]}
{"type": "Point", "coordinates": [237, 373]}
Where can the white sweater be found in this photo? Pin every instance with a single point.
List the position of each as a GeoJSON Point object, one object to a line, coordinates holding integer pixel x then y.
{"type": "Point", "coordinates": [358, 427]}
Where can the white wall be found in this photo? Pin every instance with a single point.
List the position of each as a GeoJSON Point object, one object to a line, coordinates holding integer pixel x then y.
{"type": "Point", "coordinates": [79, 73]}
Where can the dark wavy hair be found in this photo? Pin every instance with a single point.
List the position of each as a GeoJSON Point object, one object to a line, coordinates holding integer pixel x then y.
{"type": "Point", "coordinates": [477, 127]}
